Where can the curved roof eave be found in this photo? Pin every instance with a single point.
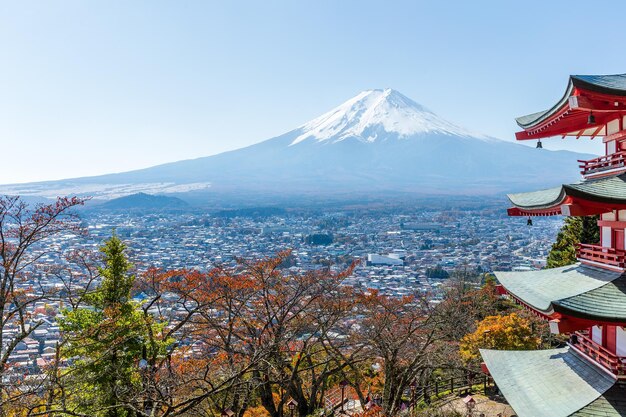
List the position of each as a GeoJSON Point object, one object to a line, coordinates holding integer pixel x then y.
{"type": "Point", "coordinates": [612, 403]}
{"type": "Point", "coordinates": [531, 120]}
{"type": "Point", "coordinates": [539, 289]}
{"type": "Point", "coordinates": [606, 303]}
{"type": "Point", "coordinates": [604, 84]}
{"type": "Point", "coordinates": [603, 190]}
{"type": "Point", "coordinates": [552, 382]}
{"type": "Point", "coordinates": [537, 200]}
{"type": "Point", "coordinates": [608, 190]}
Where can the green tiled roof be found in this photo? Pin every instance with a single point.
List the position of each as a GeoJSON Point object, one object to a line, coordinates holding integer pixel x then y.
{"type": "Point", "coordinates": [540, 289]}
{"type": "Point", "coordinates": [610, 404]}
{"type": "Point", "coordinates": [606, 84]}
{"type": "Point", "coordinates": [534, 117]}
{"type": "Point", "coordinates": [546, 383]}
{"type": "Point", "coordinates": [607, 302]}
{"type": "Point", "coordinates": [538, 199]}
{"type": "Point", "coordinates": [605, 190]}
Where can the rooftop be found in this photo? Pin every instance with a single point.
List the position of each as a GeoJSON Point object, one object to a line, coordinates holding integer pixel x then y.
{"type": "Point", "coordinates": [611, 403]}
{"type": "Point", "coordinates": [544, 288]}
{"type": "Point", "coordinates": [605, 95]}
{"type": "Point", "coordinates": [605, 303]}
{"type": "Point", "coordinates": [583, 195]}
{"type": "Point", "coordinates": [547, 383]}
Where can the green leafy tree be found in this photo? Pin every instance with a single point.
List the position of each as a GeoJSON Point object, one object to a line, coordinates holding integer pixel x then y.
{"type": "Point", "coordinates": [107, 343]}
{"type": "Point", "coordinates": [575, 230]}
{"type": "Point", "coordinates": [437, 272]}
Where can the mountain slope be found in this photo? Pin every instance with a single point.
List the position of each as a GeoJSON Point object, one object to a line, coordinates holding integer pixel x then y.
{"type": "Point", "coordinates": [379, 140]}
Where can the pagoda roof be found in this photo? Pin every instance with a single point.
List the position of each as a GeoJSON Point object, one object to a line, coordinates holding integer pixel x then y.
{"type": "Point", "coordinates": [606, 84]}
{"type": "Point", "coordinates": [606, 190]}
{"type": "Point", "coordinates": [611, 403]}
{"type": "Point", "coordinates": [541, 199]}
{"type": "Point", "coordinates": [603, 94]}
{"type": "Point", "coordinates": [547, 383]}
{"type": "Point", "coordinates": [605, 303]}
{"type": "Point", "coordinates": [543, 288]}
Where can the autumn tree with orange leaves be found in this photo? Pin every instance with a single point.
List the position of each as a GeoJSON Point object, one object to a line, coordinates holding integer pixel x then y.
{"type": "Point", "coordinates": [267, 329]}
{"type": "Point", "coordinates": [25, 231]}
{"type": "Point", "coordinates": [294, 319]}
{"type": "Point", "coordinates": [401, 332]}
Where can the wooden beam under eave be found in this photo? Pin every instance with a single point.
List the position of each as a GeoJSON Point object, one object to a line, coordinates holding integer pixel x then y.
{"type": "Point", "coordinates": [523, 135]}
{"type": "Point", "coordinates": [596, 132]}
{"type": "Point", "coordinates": [517, 212]}
{"type": "Point", "coordinates": [569, 324]}
{"type": "Point", "coordinates": [601, 106]}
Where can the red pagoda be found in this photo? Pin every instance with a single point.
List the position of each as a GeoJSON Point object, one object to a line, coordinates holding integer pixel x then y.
{"type": "Point", "coordinates": [587, 300]}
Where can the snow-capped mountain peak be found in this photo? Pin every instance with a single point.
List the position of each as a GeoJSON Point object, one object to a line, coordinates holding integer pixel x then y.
{"type": "Point", "coordinates": [388, 147]}
{"type": "Point", "coordinates": [377, 115]}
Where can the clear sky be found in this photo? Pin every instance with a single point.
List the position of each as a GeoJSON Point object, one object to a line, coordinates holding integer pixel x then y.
{"type": "Point", "coordinates": [93, 87]}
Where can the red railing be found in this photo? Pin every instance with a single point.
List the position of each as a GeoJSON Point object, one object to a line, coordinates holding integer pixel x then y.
{"type": "Point", "coordinates": [332, 400]}
{"type": "Point", "coordinates": [602, 255]}
{"type": "Point", "coordinates": [603, 163]}
{"type": "Point", "coordinates": [612, 362]}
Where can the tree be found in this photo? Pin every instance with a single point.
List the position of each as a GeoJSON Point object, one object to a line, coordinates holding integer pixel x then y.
{"type": "Point", "coordinates": [319, 239]}
{"type": "Point", "coordinates": [510, 332]}
{"type": "Point", "coordinates": [402, 334]}
{"type": "Point", "coordinates": [575, 230]}
{"type": "Point", "coordinates": [25, 233]}
{"type": "Point", "coordinates": [106, 343]}
{"type": "Point", "coordinates": [289, 323]}
{"type": "Point", "coordinates": [249, 336]}
{"type": "Point", "coordinates": [150, 358]}
{"type": "Point", "coordinates": [466, 303]}
{"type": "Point", "coordinates": [590, 231]}
{"type": "Point", "coordinates": [437, 272]}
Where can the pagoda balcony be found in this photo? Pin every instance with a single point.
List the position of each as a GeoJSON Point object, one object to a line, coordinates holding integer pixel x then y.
{"type": "Point", "coordinates": [601, 256]}
{"type": "Point", "coordinates": [604, 164]}
{"type": "Point", "coordinates": [611, 362]}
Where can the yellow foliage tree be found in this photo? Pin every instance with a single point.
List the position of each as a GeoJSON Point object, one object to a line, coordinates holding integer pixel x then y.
{"type": "Point", "coordinates": [510, 332]}
{"type": "Point", "coordinates": [257, 411]}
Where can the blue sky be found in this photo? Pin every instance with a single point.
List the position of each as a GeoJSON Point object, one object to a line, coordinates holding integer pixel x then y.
{"type": "Point", "coordinates": [92, 87]}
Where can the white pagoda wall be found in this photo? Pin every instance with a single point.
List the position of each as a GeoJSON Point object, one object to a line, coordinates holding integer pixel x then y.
{"type": "Point", "coordinates": [596, 334]}
{"type": "Point", "coordinates": [606, 236]}
{"type": "Point", "coordinates": [620, 334]}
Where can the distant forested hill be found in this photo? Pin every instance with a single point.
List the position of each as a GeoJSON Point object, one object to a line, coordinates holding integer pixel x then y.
{"type": "Point", "coordinates": [143, 201]}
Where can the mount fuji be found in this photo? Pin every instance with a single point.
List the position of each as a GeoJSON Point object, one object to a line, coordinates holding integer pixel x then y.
{"type": "Point", "coordinates": [378, 141]}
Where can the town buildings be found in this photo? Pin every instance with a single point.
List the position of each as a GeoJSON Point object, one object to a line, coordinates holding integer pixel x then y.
{"type": "Point", "coordinates": [475, 239]}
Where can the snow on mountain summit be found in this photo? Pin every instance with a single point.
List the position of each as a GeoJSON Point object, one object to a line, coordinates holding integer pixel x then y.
{"type": "Point", "coordinates": [377, 114]}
